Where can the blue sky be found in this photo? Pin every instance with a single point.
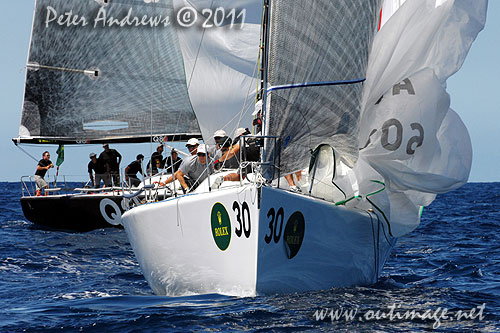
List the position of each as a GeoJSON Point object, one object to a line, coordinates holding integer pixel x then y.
{"type": "Point", "coordinates": [473, 93]}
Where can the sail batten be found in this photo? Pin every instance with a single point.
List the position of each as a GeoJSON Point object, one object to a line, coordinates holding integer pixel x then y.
{"type": "Point", "coordinates": [89, 74]}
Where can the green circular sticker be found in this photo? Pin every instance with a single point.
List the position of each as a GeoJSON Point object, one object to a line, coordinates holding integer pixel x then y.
{"type": "Point", "coordinates": [221, 226]}
{"type": "Point", "coordinates": [294, 234]}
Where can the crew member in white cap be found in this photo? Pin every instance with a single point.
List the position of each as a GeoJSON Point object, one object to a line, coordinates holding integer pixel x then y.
{"type": "Point", "coordinates": [252, 150]}
{"type": "Point", "coordinates": [220, 137]}
{"type": "Point", "coordinates": [192, 145]}
{"type": "Point", "coordinates": [235, 149]}
{"type": "Point", "coordinates": [219, 134]}
{"type": "Point", "coordinates": [195, 168]}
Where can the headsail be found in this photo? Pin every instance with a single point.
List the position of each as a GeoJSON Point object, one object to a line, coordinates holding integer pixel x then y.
{"type": "Point", "coordinates": [220, 53]}
{"type": "Point", "coordinates": [409, 136]}
{"type": "Point", "coordinates": [91, 79]}
{"type": "Point", "coordinates": [318, 53]}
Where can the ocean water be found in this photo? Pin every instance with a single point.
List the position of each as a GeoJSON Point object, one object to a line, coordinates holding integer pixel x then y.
{"type": "Point", "coordinates": [447, 272]}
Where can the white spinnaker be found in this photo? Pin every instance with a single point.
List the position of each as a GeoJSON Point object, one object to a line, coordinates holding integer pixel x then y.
{"type": "Point", "coordinates": [220, 65]}
{"type": "Point", "coordinates": [410, 137]}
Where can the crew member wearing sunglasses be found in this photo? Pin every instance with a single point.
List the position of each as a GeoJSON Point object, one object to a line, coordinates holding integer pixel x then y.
{"type": "Point", "coordinates": [192, 144]}
{"type": "Point", "coordinates": [193, 170]}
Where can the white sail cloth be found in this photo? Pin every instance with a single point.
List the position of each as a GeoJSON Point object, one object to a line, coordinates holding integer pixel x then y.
{"type": "Point", "coordinates": [409, 137]}
{"type": "Point", "coordinates": [220, 64]}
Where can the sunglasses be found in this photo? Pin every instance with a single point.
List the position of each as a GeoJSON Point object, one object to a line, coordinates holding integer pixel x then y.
{"type": "Point", "coordinates": [201, 154]}
{"type": "Point", "coordinates": [191, 147]}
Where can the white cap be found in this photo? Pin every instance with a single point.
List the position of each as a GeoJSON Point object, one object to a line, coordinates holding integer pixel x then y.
{"type": "Point", "coordinates": [239, 132]}
{"type": "Point", "coordinates": [193, 142]}
{"type": "Point", "coordinates": [220, 133]}
{"type": "Point", "coordinates": [202, 149]}
{"type": "Point", "coordinates": [92, 155]}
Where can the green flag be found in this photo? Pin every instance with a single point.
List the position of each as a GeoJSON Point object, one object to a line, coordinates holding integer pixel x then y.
{"type": "Point", "coordinates": [60, 155]}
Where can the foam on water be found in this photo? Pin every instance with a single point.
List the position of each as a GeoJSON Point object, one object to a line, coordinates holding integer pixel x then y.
{"type": "Point", "coordinates": [53, 280]}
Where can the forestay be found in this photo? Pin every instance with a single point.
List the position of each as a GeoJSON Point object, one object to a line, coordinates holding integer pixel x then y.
{"type": "Point", "coordinates": [90, 79]}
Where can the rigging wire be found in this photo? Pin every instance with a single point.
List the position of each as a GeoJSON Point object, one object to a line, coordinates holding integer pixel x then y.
{"type": "Point", "coordinates": [198, 51]}
{"type": "Point", "coordinates": [254, 74]}
{"type": "Point", "coordinates": [26, 152]}
{"type": "Point", "coordinates": [244, 108]}
{"type": "Point", "coordinates": [383, 229]}
{"type": "Point", "coordinates": [153, 58]}
{"type": "Point", "coordinates": [376, 207]}
{"type": "Point", "coordinates": [188, 83]}
{"type": "Point", "coordinates": [375, 245]}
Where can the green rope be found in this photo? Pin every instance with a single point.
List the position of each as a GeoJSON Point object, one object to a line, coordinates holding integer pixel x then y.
{"type": "Point", "coordinates": [378, 182]}
{"type": "Point", "coordinates": [343, 202]}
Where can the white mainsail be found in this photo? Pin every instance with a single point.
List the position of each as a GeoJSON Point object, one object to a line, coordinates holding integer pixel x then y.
{"type": "Point", "coordinates": [221, 62]}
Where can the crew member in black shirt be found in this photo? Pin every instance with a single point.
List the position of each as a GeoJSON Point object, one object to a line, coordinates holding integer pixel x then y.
{"type": "Point", "coordinates": [41, 169]}
{"type": "Point", "coordinates": [156, 161]}
{"type": "Point", "coordinates": [132, 169]}
{"type": "Point", "coordinates": [111, 159]}
{"type": "Point", "coordinates": [97, 166]}
{"type": "Point", "coordinates": [172, 162]}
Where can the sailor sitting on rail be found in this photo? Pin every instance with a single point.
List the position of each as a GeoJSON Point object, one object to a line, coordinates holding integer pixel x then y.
{"type": "Point", "coordinates": [192, 146]}
{"type": "Point", "coordinates": [253, 152]}
{"type": "Point", "coordinates": [195, 168]}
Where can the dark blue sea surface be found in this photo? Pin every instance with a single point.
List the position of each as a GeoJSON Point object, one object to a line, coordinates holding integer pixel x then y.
{"type": "Point", "coordinates": [91, 282]}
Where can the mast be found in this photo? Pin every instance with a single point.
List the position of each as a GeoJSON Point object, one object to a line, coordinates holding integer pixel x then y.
{"type": "Point", "coordinates": [269, 148]}
{"type": "Point", "coordinates": [264, 63]}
